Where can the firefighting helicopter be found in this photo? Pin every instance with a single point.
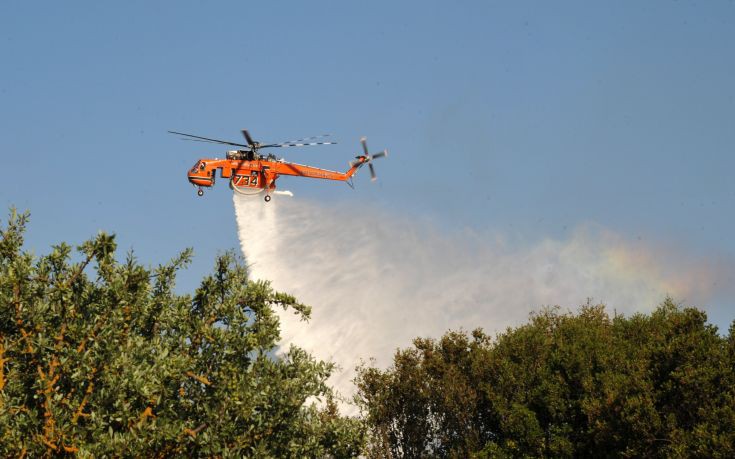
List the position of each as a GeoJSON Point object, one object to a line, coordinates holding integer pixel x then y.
{"type": "Point", "coordinates": [251, 173]}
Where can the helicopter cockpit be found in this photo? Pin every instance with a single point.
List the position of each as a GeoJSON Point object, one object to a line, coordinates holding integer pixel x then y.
{"type": "Point", "coordinates": [199, 166]}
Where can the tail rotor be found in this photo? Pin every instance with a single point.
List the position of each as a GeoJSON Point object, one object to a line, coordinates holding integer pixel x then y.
{"type": "Point", "coordinates": [367, 158]}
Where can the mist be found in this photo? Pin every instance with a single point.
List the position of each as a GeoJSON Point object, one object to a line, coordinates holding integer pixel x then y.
{"type": "Point", "coordinates": [376, 280]}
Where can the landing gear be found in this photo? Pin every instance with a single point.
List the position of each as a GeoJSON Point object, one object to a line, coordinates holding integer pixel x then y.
{"type": "Point", "coordinates": [200, 192]}
{"type": "Point", "coordinates": [267, 198]}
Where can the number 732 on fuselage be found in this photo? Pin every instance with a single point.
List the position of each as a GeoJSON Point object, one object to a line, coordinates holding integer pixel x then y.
{"type": "Point", "coordinates": [251, 173]}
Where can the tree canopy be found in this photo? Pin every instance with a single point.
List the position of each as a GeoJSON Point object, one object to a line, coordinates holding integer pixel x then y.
{"type": "Point", "coordinates": [102, 358]}
{"type": "Point", "coordinates": [563, 385]}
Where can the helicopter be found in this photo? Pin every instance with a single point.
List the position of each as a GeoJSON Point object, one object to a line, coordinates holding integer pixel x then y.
{"type": "Point", "coordinates": [251, 173]}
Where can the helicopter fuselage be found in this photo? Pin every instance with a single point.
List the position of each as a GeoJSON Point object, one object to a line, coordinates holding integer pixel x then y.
{"type": "Point", "coordinates": [260, 172]}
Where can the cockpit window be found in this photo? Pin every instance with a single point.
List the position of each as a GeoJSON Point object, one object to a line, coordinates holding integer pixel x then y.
{"type": "Point", "coordinates": [201, 166]}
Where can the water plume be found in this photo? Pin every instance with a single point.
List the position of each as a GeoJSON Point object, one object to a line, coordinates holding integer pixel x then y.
{"type": "Point", "coordinates": [375, 280]}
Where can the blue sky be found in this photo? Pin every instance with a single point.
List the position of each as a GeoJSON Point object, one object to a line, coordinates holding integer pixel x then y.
{"type": "Point", "coordinates": [529, 118]}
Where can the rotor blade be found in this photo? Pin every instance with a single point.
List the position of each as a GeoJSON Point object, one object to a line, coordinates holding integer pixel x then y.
{"type": "Point", "coordinates": [380, 154]}
{"type": "Point", "coordinates": [209, 140]}
{"type": "Point", "coordinates": [363, 141]}
{"type": "Point", "coordinates": [283, 145]}
{"type": "Point", "coordinates": [302, 140]}
{"type": "Point", "coordinates": [247, 137]}
{"type": "Point", "coordinates": [372, 172]}
{"type": "Point", "coordinates": [198, 140]}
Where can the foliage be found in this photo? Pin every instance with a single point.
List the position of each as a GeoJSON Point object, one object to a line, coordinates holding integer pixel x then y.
{"type": "Point", "coordinates": [115, 363]}
{"type": "Point", "coordinates": [563, 385]}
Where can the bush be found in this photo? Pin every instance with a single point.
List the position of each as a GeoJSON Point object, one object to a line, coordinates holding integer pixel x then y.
{"type": "Point", "coordinates": [114, 363]}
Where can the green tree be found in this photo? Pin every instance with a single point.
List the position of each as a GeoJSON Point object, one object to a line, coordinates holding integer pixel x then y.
{"type": "Point", "coordinates": [563, 385]}
{"type": "Point", "coordinates": [114, 363]}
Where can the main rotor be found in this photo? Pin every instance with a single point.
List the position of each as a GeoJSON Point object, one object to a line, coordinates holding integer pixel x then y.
{"type": "Point", "coordinates": [252, 145]}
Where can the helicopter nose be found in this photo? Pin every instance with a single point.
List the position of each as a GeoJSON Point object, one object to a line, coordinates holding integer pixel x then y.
{"type": "Point", "coordinates": [198, 180]}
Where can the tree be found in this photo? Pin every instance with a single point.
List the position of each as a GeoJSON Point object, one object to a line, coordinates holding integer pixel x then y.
{"type": "Point", "coordinates": [563, 385]}
{"type": "Point", "coordinates": [115, 363]}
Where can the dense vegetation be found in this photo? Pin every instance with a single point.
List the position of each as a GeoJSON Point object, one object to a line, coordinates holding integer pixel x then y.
{"type": "Point", "coordinates": [564, 385]}
{"type": "Point", "coordinates": [102, 358]}
{"type": "Point", "coordinates": [115, 363]}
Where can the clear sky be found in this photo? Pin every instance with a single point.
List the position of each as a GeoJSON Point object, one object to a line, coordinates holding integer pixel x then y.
{"type": "Point", "coordinates": [526, 118]}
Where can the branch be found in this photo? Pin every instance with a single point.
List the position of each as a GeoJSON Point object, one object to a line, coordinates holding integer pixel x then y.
{"type": "Point", "coordinates": [194, 432]}
{"type": "Point", "coordinates": [201, 379]}
{"type": "Point", "coordinates": [2, 367]}
{"type": "Point", "coordinates": [74, 276]}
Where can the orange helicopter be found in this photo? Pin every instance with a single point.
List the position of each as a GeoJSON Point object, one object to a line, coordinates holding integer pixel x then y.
{"type": "Point", "coordinates": [251, 173]}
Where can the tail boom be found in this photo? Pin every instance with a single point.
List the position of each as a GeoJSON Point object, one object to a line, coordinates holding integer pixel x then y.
{"type": "Point", "coordinates": [301, 170]}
